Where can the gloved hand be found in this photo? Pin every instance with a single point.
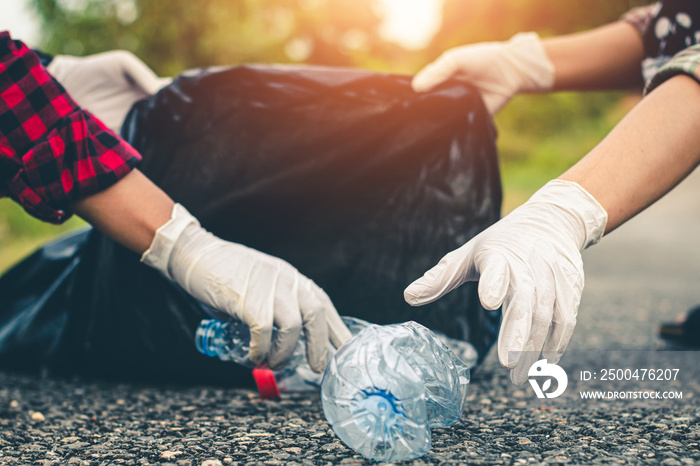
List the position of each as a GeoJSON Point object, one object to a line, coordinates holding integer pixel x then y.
{"type": "Point", "coordinates": [529, 262]}
{"type": "Point", "coordinates": [498, 69]}
{"type": "Point", "coordinates": [106, 84]}
{"type": "Point", "coordinates": [256, 288]}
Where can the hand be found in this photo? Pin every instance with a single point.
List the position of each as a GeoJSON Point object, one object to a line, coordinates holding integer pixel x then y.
{"type": "Point", "coordinates": [107, 84]}
{"type": "Point", "coordinates": [498, 69]}
{"type": "Point", "coordinates": [529, 262]}
{"type": "Point", "coordinates": [258, 289]}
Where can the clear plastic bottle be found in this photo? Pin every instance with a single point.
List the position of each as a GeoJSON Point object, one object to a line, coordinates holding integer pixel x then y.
{"type": "Point", "coordinates": [230, 341]}
{"type": "Point", "coordinates": [388, 386]}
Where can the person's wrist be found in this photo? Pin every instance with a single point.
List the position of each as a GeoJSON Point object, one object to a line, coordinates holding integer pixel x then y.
{"type": "Point", "coordinates": [579, 211]}
{"type": "Point", "coordinates": [529, 58]}
{"type": "Point", "coordinates": [166, 238]}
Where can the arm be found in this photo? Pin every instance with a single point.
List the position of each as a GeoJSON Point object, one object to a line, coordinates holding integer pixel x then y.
{"type": "Point", "coordinates": [608, 57]}
{"type": "Point", "coordinates": [129, 211]}
{"type": "Point", "coordinates": [258, 289]}
{"type": "Point", "coordinates": [55, 155]}
{"type": "Point", "coordinates": [650, 151]}
{"type": "Point", "coordinates": [530, 261]}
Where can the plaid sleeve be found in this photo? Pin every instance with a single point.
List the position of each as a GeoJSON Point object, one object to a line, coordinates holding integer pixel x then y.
{"type": "Point", "coordinates": [686, 62]}
{"type": "Point", "coordinates": [641, 17]}
{"type": "Point", "coordinates": [51, 151]}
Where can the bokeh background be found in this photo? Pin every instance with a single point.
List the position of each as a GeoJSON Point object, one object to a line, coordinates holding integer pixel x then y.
{"type": "Point", "coordinates": [539, 136]}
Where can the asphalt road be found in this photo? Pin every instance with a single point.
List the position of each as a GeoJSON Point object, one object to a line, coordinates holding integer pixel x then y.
{"type": "Point", "coordinates": [645, 273]}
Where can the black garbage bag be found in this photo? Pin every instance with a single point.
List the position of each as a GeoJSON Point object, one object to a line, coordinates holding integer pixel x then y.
{"type": "Point", "coordinates": [347, 174]}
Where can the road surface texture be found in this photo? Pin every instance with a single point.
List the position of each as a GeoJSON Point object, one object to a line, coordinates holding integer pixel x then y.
{"type": "Point", "coordinates": [645, 273]}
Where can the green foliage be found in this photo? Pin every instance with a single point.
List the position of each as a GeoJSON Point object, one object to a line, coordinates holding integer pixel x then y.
{"type": "Point", "coordinates": [175, 35]}
{"type": "Point", "coordinates": [541, 136]}
{"type": "Point", "coordinates": [21, 233]}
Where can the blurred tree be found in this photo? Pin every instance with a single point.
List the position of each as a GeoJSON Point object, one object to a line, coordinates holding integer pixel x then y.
{"type": "Point", "coordinates": [468, 21]}
{"type": "Point", "coordinates": [175, 35]}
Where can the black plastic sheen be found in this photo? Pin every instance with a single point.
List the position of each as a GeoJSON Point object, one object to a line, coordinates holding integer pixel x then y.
{"type": "Point", "coordinates": [356, 180]}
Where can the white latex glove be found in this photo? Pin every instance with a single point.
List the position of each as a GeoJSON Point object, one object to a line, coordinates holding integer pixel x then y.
{"type": "Point", "coordinates": [258, 289]}
{"type": "Point", "coordinates": [498, 69]}
{"type": "Point", "coordinates": [106, 84]}
{"type": "Point", "coordinates": [529, 262]}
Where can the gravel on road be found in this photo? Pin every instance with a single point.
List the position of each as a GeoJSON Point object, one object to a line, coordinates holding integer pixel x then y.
{"type": "Point", "coordinates": [645, 273]}
{"type": "Point", "coordinates": [74, 421]}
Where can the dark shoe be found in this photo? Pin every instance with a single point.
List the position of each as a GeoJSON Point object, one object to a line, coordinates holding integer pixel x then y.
{"type": "Point", "coordinates": [685, 332]}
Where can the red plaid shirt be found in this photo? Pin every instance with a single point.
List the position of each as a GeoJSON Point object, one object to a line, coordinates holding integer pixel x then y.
{"type": "Point", "coordinates": [51, 151]}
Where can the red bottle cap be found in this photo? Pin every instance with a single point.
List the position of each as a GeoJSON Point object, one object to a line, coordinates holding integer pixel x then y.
{"type": "Point", "coordinates": [267, 385]}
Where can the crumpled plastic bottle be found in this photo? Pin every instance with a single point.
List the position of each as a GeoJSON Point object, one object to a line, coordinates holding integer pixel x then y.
{"type": "Point", "coordinates": [388, 386]}
{"type": "Point", "coordinates": [382, 391]}
{"type": "Point", "coordinates": [230, 341]}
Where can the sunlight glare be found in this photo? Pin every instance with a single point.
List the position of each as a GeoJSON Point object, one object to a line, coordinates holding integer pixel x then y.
{"type": "Point", "coordinates": [410, 23]}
